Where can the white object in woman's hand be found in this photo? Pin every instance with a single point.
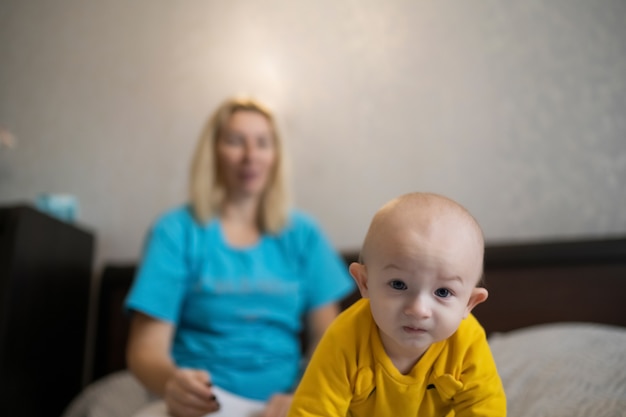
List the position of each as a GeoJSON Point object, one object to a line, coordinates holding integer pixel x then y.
{"type": "Point", "coordinates": [277, 406]}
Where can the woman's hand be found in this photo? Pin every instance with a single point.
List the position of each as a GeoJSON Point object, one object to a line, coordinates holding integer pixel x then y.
{"type": "Point", "coordinates": [188, 394]}
{"type": "Point", "coordinates": [277, 406]}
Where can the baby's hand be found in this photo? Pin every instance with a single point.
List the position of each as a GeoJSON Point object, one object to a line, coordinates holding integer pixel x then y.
{"type": "Point", "coordinates": [188, 394]}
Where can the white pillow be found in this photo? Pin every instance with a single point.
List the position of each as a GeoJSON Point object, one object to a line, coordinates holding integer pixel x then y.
{"type": "Point", "coordinates": [116, 395]}
{"type": "Point", "coordinates": [563, 370]}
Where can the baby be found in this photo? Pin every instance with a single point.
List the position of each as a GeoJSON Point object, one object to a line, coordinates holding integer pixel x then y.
{"type": "Point", "coordinates": [410, 346]}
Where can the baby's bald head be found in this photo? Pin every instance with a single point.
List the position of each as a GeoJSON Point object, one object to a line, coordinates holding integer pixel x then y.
{"type": "Point", "coordinates": [434, 220]}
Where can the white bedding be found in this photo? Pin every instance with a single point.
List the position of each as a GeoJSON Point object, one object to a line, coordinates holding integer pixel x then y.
{"type": "Point", "coordinates": [556, 370]}
{"type": "Point", "coordinates": [563, 370]}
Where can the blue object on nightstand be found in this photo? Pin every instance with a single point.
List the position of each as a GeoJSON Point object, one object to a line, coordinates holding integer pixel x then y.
{"type": "Point", "coordinates": [61, 206]}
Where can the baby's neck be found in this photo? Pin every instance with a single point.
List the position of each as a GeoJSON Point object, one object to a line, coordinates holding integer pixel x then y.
{"type": "Point", "coordinates": [404, 365]}
{"type": "Point", "coordinates": [402, 358]}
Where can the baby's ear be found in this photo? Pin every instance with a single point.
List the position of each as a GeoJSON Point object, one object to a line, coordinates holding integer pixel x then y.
{"type": "Point", "coordinates": [359, 273]}
{"type": "Point", "coordinates": [478, 296]}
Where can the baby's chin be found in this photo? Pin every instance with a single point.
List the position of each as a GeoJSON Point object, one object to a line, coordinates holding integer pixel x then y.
{"type": "Point", "coordinates": [418, 339]}
{"type": "Point", "coordinates": [409, 340]}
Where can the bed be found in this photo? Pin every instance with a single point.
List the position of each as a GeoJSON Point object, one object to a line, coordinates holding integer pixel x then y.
{"type": "Point", "coordinates": [555, 318]}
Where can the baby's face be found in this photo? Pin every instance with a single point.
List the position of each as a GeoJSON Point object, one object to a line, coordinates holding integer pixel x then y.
{"type": "Point", "coordinates": [421, 283]}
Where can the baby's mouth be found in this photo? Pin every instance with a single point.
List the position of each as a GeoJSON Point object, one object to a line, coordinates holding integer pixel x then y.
{"type": "Point", "coordinates": [413, 330]}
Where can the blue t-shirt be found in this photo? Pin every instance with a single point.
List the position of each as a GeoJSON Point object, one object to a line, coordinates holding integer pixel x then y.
{"type": "Point", "coordinates": [237, 311]}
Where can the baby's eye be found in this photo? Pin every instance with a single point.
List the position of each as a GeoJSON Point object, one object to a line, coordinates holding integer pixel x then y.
{"type": "Point", "coordinates": [442, 292]}
{"type": "Point", "coordinates": [398, 285]}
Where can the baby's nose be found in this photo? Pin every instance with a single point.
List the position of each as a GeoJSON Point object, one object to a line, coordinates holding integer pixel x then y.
{"type": "Point", "coordinates": [419, 306]}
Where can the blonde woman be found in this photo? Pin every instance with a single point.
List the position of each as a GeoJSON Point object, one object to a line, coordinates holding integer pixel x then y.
{"type": "Point", "coordinates": [225, 280]}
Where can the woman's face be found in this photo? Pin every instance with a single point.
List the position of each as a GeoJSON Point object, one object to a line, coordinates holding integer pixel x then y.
{"type": "Point", "coordinates": [246, 154]}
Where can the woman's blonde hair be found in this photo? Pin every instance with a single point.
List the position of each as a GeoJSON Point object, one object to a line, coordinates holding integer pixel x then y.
{"type": "Point", "coordinates": [207, 192]}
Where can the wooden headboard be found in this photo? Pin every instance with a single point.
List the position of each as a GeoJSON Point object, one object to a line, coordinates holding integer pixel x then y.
{"type": "Point", "coordinates": [528, 283]}
{"type": "Point", "coordinates": [535, 283]}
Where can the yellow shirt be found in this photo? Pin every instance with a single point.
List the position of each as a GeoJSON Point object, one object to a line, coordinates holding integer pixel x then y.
{"type": "Point", "coordinates": [351, 375]}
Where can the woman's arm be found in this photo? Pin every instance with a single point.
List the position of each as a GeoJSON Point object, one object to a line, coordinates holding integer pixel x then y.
{"type": "Point", "coordinates": [147, 352]}
{"type": "Point", "coordinates": [317, 323]}
{"type": "Point", "coordinates": [186, 391]}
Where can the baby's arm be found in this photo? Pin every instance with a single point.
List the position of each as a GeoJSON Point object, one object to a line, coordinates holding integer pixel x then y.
{"type": "Point", "coordinates": [325, 388]}
{"type": "Point", "coordinates": [482, 394]}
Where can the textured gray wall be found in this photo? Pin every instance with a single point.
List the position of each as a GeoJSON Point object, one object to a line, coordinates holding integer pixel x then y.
{"type": "Point", "coordinates": [516, 109]}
